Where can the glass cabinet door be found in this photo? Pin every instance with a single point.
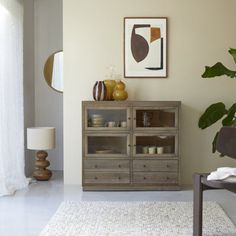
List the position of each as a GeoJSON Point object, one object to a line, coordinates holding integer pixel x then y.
{"type": "Point", "coordinates": [117, 118]}
{"type": "Point", "coordinates": [107, 145]}
{"type": "Point", "coordinates": [161, 118]}
{"type": "Point", "coordinates": [155, 145]}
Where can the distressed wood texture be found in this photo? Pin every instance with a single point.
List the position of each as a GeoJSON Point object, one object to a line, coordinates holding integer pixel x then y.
{"type": "Point", "coordinates": [106, 165]}
{"type": "Point", "coordinates": [155, 177]}
{"type": "Point", "coordinates": [107, 177]}
{"type": "Point", "coordinates": [155, 165]}
{"type": "Point", "coordinates": [115, 158]}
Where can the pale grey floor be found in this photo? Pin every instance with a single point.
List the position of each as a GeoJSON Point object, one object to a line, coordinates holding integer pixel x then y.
{"type": "Point", "coordinates": [28, 211]}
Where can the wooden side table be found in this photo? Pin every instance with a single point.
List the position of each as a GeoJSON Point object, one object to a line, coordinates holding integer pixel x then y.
{"type": "Point", "coordinates": [200, 184]}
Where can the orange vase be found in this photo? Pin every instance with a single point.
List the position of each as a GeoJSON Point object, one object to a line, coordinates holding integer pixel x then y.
{"type": "Point", "coordinates": [119, 91]}
{"type": "Point", "coordinates": [110, 85]}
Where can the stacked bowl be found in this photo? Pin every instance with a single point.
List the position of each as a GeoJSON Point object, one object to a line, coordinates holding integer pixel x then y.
{"type": "Point", "coordinates": [97, 120]}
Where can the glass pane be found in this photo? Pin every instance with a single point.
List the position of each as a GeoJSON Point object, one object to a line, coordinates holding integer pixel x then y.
{"type": "Point", "coordinates": [155, 144]}
{"type": "Point", "coordinates": [106, 145]}
{"type": "Point", "coordinates": [107, 118]}
{"type": "Point", "coordinates": [155, 118]}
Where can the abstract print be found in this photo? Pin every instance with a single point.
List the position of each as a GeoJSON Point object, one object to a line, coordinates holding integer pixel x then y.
{"type": "Point", "coordinates": [145, 47]}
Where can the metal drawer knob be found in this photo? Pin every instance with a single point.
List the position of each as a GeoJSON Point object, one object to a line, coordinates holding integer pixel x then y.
{"type": "Point", "coordinates": [95, 166]}
{"type": "Point", "coordinates": [119, 177]}
{"type": "Point", "coordinates": [95, 177]}
{"type": "Point", "coordinates": [167, 178]}
{"type": "Point", "coordinates": [144, 177]}
{"type": "Point", "coordinates": [168, 166]}
{"type": "Point", "coordinates": [119, 166]}
{"type": "Point", "coordinates": [144, 166]}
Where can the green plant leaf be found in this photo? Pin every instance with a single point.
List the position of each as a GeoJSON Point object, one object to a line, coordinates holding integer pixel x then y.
{"type": "Point", "coordinates": [214, 143]}
{"type": "Point", "coordinates": [218, 70]}
{"type": "Point", "coordinates": [212, 114]}
{"type": "Point", "coordinates": [232, 51]}
{"type": "Point", "coordinates": [230, 118]}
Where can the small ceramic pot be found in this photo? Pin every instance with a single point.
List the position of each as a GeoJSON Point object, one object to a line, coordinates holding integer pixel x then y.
{"type": "Point", "coordinates": [145, 149]}
{"type": "Point", "coordinates": [152, 150]}
{"type": "Point", "coordinates": [123, 124]}
{"type": "Point", "coordinates": [160, 150]}
{"type": "Point", "coordinates": [111, 123]}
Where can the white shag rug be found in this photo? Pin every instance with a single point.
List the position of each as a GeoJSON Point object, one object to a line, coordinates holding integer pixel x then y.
{"type": "Point", "coordinates": [136, 219]}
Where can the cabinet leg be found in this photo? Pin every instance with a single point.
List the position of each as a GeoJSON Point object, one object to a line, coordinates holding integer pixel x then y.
{"type": "Point", "coordinates": [197, 205]}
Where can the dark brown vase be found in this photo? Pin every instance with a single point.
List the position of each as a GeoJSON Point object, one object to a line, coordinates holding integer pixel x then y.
{"type": "Point", "coordinates": [99, 91]}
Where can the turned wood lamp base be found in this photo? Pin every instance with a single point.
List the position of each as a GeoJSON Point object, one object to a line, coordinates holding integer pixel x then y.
{"type": "Point", "coordinates": [41, 172]}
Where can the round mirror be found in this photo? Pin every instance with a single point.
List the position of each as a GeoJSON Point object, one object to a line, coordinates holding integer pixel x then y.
{"type": "Point", "coordinates": [53, 71]}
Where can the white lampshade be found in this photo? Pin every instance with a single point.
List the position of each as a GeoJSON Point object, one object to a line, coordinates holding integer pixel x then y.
{"type": "Point", "coordinates": [41, 138]}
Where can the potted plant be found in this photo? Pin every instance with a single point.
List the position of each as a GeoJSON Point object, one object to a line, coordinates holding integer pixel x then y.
{"type": "Point", "coordinates": [218, 111]}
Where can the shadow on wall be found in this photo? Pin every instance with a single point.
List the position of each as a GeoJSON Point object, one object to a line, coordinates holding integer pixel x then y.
{"type": "Point", "coordinates": [194, 145]}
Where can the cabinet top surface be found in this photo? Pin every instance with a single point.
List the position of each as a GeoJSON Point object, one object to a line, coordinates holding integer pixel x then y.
{"type": "Point", "coordinates": [133, 103]}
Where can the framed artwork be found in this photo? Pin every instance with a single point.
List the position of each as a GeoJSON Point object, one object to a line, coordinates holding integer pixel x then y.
{"type": "Point", "coordinates": [145, 47]}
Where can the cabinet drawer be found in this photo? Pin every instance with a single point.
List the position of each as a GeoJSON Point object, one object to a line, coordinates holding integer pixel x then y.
{"type": "Point", "coordinates": [106, 178]}
{"type": "Point", "coordinates": [106, 165]}
{"type": "Point", "coordinates": [155, 177]}
{"type": "Point", "coordinates": [155, 165]}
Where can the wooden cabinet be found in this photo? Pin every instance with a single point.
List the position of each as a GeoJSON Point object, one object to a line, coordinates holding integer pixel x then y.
{"type": "Point", "coordinates": [131, 145]}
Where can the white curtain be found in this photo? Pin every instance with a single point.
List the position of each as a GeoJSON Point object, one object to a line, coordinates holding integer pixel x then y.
{"type": "Point", "coordinates": [12, 175]}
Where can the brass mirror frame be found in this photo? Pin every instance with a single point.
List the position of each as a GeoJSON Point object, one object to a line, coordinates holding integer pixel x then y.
{"type": "Point", "coordinates": [48, 69]}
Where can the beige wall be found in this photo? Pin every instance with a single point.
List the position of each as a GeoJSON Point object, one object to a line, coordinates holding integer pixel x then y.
{"type": "Point", "coordinates": [28, 78]}
{"type": "Point", "coordinates": [48, 103]}
{"type": "Point", "coordinates": [42, 105]}
{"type": "Point", "coordinates": [200, 33]}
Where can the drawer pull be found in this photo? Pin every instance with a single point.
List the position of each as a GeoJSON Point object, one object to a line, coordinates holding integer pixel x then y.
{"type": "Point", "coordinates": [119, 177]}
{"type": "Point", "coordinates": [167, 178]}
{"type": "Point", "coordinates": [144, 178]}
{"type": "Point", "coordinates": [95, 166]}
{"type": "Point", "coordinates": [129, 145]}
{"type": "Point", "coordinates": [95, 177]}
{"type": "Point", "coordinates": [119, 166]}
{"type": "Point", "coordinates": [144, 166]}
{"type": "Point", "coordinates": [167, 166]}
{"type": "Point", "coordinates": [129, 118]}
